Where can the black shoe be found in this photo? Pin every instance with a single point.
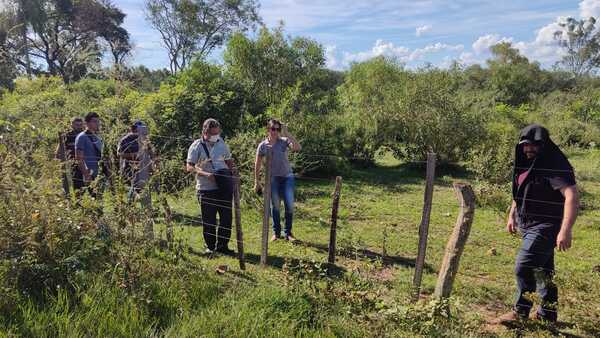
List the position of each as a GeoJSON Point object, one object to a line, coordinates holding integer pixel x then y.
{"type": "Point", "coordinates": [226, 251]}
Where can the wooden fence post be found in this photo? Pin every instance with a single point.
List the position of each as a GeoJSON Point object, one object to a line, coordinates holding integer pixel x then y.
{"type": "Point", "coordinates": [168, 219]}
{"type": "Point", "coordinates": [457, 241]}
{"type": "Point", "coordinates": [334, 216]}
{"type": "Point", "coordinates": [424, 227]}
{"type": "Point", "coordinates": [266, 208]}
{"type": "Point", "coordinates": [238, 222]}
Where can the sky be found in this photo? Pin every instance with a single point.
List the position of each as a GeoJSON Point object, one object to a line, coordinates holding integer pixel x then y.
{"type": "Point", "coordinates": [416, 32]}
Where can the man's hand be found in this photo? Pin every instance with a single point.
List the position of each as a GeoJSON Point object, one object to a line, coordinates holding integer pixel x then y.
{"type": "Point", "coordinates": [511, 227]}
{"type": "Point", "coordinates": [257, 188]}
{"type": "Point", "coordinates": [564, 239]}
{"type": "Point", "coordinates": [87, 175]}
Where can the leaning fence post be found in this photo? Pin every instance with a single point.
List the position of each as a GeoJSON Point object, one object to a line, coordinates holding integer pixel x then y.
{"type": "Point", "coordinates": [168, 219]}
{"type": "Point", "coordinates": [266, 208]}
{"type": "Point", "coordinates": [238, 222]}
{"type": "Point", "coordinates": [424, 227]}
{"type": "Point", "coordinates": [457, 241]}
{"type": "Point", "coordinates": [334, 216]}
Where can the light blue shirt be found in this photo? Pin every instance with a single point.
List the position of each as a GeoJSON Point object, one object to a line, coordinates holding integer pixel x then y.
{"type": "Point", "coordinates": [218, 153]}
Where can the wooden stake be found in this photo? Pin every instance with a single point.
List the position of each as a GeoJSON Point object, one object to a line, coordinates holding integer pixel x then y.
{"type": "Point", "coordinates": [424, 227]}
{"type": "Point", "coordinates": [456, 243]}
{"type": "Point", "coordinates": [168, 219]}
{"type": "Point", "coordinates": [266, 207]}
{"type": "Point", "coordinates": [334, 216]}
{"type": "Point", "coordinates": [238, 222]}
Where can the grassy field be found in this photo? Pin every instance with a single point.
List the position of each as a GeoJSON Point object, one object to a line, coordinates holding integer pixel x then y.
{"type": "Point", "coordinates": [180, 293]}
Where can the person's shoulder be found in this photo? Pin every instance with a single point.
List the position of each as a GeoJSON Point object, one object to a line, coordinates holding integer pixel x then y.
{"type": "Point", "coordinates": [80, 137]}
{"type": "Point", "coordinates": [195, 144]}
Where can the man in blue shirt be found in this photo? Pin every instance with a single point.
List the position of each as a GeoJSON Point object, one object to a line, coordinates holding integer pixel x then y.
{"type": "Point", "coordinates": [88, 152]}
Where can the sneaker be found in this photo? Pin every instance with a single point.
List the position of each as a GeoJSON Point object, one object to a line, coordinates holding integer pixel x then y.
{"type": "Point", "coordinates": [209, 251]}
{"type": "Point", "coordinates": [537, 316]}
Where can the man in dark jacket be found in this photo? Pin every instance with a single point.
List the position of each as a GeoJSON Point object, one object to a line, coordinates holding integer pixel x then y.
{"type": "Point", "coordinates": [544, 209]}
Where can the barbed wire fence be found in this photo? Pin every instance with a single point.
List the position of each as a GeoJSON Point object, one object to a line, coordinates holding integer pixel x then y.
{"type": "Point", "coordinates": [442, 208]}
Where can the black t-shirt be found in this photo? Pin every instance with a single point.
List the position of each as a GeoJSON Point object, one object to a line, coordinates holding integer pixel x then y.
{"type": "Point", "coordinates": [70, 144]}
{"type": "Point", "coordinates": [128, 144]}
{"type": "Point", "coordinates": [539, 201]}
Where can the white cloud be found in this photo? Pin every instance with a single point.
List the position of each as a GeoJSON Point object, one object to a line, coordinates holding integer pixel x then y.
{"type": "Point", "coordinates": [331, 61]}
{"type": "Point", "coordinates": [422, 30]}
{"type": "Point", "coordinates": [419, 54]}
{"type": "Point", "coordinates": [589, 8]}
{"type": "Point", "coordinates": [483, 43]}
{"type": "Point", "coordinates": [401, 53]}
{"type": "Point", "coordinates": [544, 47]}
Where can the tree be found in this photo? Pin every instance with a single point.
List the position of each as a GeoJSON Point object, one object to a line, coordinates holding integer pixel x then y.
{"type": "Point", "coordinates": [581, 42]}
{"type": "Point", "coordinates": [512, 76]}
{"type": "Point", "coordinates": [8, 69]}
{"type": "Point", "coordinates": [64, 37]}
{"type": "Point", "coordinates": [193, 28]}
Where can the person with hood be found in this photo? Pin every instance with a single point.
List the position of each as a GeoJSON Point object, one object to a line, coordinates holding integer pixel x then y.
{"type": "Point", "coordinates": [544, 209]}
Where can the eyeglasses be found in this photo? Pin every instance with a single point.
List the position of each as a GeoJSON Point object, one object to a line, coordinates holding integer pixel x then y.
{"type": "Point", "coordinates": [275, 129]}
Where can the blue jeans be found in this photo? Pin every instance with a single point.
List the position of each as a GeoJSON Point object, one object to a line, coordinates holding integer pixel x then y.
{"type": "Point", "coordinates": [282, 187]}
{"type": "Point", "coordinates": [534, 271]}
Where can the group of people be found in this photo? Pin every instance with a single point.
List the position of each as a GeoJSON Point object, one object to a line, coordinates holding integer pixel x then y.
{"type": "Point", "coordinates": [544, 207]}
{"type": "Point", "coordinates": [209, 158]}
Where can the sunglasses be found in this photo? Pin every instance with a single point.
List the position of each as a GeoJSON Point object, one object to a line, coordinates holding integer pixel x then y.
{"type": "Point", "coordinates": [275, 129]}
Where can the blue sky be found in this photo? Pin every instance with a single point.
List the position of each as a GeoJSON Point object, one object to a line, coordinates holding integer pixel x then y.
{"type": "Point", "coordinates": [416, 32]}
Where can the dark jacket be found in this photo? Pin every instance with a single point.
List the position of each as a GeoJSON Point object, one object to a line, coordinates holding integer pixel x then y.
{"type": "Point", "coordinates": [538, 197]}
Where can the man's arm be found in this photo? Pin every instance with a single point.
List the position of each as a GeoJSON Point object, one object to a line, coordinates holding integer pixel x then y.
{"type": "Point", "coordinates": [81, 165]}
{"type": "Point", "coordinates": [510, 223]}
{"type": "Point", "coordinates": [565, 236]}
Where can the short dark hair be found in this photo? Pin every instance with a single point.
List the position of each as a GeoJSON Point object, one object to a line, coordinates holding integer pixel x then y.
{"type": "Point", "coordinates": [91, 115]}
{"type": "Point", "coordinates": [273, 122]}
{"type": "Point", "coordinates": [77, 119]}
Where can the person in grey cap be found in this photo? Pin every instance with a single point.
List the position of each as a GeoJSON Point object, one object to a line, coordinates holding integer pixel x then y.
{"type": "Point", "coordinates": [209, 158]}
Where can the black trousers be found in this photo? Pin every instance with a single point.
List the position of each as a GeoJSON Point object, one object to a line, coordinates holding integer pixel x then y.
{"type": "Point", "coordinates": [216, 235]}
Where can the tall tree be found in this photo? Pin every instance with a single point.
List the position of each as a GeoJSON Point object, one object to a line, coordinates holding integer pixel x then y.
{"type": "Point", "coordinates": [193, 28]}
{"type": "Point", "coordinates": [64, 37]}
{"type": "Point", "coordinates": [581, 41]}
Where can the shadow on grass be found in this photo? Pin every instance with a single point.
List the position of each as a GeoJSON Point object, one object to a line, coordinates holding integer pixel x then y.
{"type": "Point", "coordinates": [371, 255]}
{"type": "Point", "coordinates": [530, 326]}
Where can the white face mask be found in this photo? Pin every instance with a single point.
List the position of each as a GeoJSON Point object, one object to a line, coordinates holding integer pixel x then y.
{"type": "Point", "coordinates": [214, 138]}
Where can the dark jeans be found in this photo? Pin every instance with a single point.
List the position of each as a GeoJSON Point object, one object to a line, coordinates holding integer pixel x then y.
{"type": "Point", "coordinates": [534, 271]}
{"type": "Point", "coordinates": [211, 204]}
{"type": "Point", "coordinates": [282, 188]}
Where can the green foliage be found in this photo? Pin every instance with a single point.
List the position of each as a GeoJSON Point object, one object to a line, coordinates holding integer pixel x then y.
{"type": "Point", "coordinates": [411, 112]}
{"type": "Point", "coordinates": [513, 78]}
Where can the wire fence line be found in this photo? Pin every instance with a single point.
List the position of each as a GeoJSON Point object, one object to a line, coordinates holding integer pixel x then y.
{"type": "Point", "coordinates": [221, 202]}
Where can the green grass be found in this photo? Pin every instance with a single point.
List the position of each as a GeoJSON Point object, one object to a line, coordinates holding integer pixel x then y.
{"type": "Point", "coordinates": [178, 293]}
